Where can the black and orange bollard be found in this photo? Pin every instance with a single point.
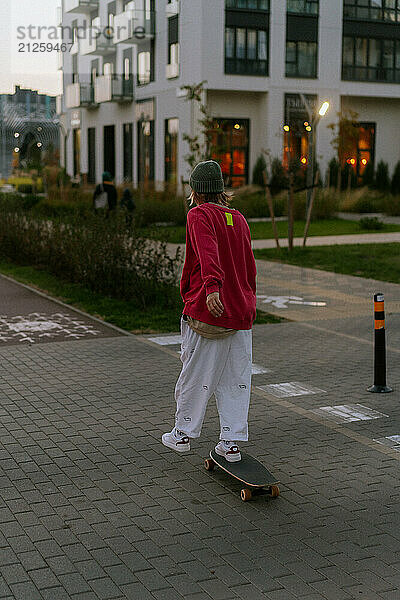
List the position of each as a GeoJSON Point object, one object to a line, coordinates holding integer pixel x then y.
{"type": "Point", "coordinates": [380, 347]}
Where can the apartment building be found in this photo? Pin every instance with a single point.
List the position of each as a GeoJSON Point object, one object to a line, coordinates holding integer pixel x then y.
{"type": "Point", "coordinates": [267, 64]}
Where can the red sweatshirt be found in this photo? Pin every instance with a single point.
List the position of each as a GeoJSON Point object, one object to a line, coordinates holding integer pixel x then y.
{"type": "Point", "coordinates": [219, 258]}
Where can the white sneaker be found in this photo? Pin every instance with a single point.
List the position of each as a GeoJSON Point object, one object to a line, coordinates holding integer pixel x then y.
{"type": "Point", "coordinates": [176, 440]}
{"type": "Point", "coordinates": [229, 450]}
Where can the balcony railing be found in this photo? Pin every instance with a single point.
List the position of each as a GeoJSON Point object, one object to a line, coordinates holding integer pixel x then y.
{"type": "Point", "coordinates": [371, 74]}
{"type": "Point", "coordinates": [81, 6]}
{"type": "Point", "coordinates": [134, 26]}
{"type": "Point", "coordinates": [172, 71]}
{"type": "Point", "coordinates": [371, 13]}
{"type": "Point", "coordinates": [243, 66]}
{"type": "Point", "coordinates": [97, 41]}
{"type": "Point", "coordinates": [79, 95]}
{"type": "Point", "coordinates": [172, 8]}
{"type": "Point", "coordinates": [113, 88]}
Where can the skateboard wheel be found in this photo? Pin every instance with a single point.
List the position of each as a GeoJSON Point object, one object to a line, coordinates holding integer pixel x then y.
{"type": "Point", "coordinates": [274, 491]}
{"type": "Point", "coordinates": [209, 464]}
{"type": "Point", "coordinates": [245, 495]}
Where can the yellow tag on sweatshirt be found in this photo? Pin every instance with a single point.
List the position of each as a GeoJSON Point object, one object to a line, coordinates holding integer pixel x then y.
{"type": "Point", "coordinates": [229, 218]}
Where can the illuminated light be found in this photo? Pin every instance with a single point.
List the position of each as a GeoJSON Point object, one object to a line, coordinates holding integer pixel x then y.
{"type": "Point", "coordinates": [16, 149]}
{"type": "Point", "coordinates": [39, 128]}
{"type": "Point", "coordinates": [39, 144]}
{"type": "Point", "coordinates": [306, 123]}
{"type": "Point", "coordinates": [303, 160]}
{"type": "Point", "coordinates": [16, 135]}
{"type": "Point", "coordinates": [308, 128]}
{"type": "Point", "coordinates": [352, 161]}
{"type": "Point", "coordinates": [364, 161]}
{"type": "Point", "coordinates": [237, 126]}
{"type": "Point", "coordinates": [286, 148]}
{"type": "Point", "coordinates": [286, 128]}
{"type": "Point", "coordinates": [324, 109]}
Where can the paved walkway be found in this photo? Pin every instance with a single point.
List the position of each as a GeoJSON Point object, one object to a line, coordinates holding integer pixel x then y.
{"type": "Point", "coordinates": [92, 506]}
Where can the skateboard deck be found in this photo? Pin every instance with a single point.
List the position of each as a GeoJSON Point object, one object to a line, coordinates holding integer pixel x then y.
{"type": "Point", "coordinates": [248, 471]}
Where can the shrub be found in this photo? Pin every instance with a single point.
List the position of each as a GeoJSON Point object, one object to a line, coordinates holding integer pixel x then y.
{"type": "Point", "coordinates": [333, 170]}
{"type": "Point", "coordinates": [391, 205]}
{"type": "Point", "coordinates": [255, 205]}
{"type": "Point", "coordinates": [382, 182]}
{"type": "Point", "coordinates": [369, 175]}
{"type": "Point", "coordinates": [395, 184]}
{"type": "Point", "coordinates": [371, 223]}
{"type": "Point", "coordinates": [279, 179]}
{"type": "Point", "coordinates": [95, 253]}
{"type": "Point", "coordinates": [258, 172]}
{"type": "Point", "coordinates": [25, 188]}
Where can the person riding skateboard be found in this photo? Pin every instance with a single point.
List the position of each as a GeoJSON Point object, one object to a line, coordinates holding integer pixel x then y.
{"type": "Point", "coordinates": [218, 287]}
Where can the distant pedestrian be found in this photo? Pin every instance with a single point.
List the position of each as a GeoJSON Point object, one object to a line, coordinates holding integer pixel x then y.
{"type": "Point", "coordinates": [128, 204]}
{"type": "Point", "coordinates": [218, 287]}
{"type": "Point", "coordinates": [105, 195]}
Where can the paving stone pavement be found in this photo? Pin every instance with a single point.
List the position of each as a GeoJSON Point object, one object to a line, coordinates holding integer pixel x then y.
{"type": "Point", "coordinates": [93, 506]}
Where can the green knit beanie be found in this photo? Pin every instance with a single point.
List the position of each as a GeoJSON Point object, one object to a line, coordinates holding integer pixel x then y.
{"type": "Point", "coordinates": [206, 178]}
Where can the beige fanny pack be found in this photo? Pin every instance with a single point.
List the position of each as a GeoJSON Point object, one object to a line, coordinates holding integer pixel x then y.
{"type": "Point", "coordinates": [212, 332]}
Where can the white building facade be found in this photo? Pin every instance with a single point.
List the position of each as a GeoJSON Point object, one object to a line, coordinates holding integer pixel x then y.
{"type": "Point", "coordinates": [123, 109]}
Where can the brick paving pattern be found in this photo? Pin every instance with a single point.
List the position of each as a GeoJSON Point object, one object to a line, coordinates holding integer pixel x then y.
{"type": "Point", "coordinates": [92, 506]}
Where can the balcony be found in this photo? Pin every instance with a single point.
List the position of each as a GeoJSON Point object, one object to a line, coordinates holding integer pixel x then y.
{"type": "Point", "coordinates": [79, 95]}
{"type": "Point", "coordinates": [113, 88]}
{"type": "Point", "coordinates": [172, 8]}
{"type": "Point", "coordinates": [97, 42]}
{"type": "Point", "coordinates": [134, 26]}
{"type": "Point", "coordinates": [81, 6]}
{"type": "Point", "coordinates": [172, 71]}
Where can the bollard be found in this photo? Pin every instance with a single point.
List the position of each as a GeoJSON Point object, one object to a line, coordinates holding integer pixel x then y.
{"type": "Point", "coordinates": [380, 347]}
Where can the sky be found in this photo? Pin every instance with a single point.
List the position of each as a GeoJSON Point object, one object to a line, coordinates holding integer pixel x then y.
{"type": "Point", "coordinates": [20, 21]}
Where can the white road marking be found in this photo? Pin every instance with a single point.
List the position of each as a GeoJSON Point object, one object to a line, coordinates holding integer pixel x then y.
{"type": "Point", "coordinates": [347, 413]}
{"type": "Point", "coordinates": [282, 301]}
{"type": "Point", "coordinates": [35, 326]}
{"type": "Point", "coordinates": [392, 441]}
{"type": "Point", "coordinates": [291, 388]}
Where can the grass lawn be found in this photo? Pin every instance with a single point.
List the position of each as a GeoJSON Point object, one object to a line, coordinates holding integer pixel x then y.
{"type": "Point", "coordinates": [262, 230]}
{"type": "Point", "coordinates": [118, 312]}
{"type": "Point", "coordinates": [375, 261]}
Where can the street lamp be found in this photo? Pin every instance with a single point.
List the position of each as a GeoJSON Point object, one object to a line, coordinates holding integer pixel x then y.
{"type": "Point", "coordinates": [311, 128]}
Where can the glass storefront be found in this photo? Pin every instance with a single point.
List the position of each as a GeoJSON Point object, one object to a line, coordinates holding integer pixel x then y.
{"type": "Point", "coordinates": [229, 145]}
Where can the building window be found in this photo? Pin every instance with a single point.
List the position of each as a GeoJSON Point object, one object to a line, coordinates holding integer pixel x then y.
{"type": "Point", "coordinates": [77, 152]}
{"type": "Point", "coordinates": [128, 151]}
{"type": "Point", "coordinates": [145, 151]}
{"type": "Point", "coordinates": [372, 10]}
{"type": "Point", "coordinates": [295, 134]}
{"type": "Point", "coordinates": [368, 59]}
{"type": "Point", "coordinates": [109, 149]}
{"type": "Point", "coordinates": [246, 51]}
{"type": "Point", "coordinates": [173, 46]}
{"type": "Point", "coordinates": [304, 7]}
{"type": "Point", "coordinates": [361, 148]}
{"type": "Point", "coordinates": [229, 145]}
{"type": "Point", "coordinates": [171, 150]}
{"type": "Point", "coordinates": [247, 4]}
{"type": "Point", "coordinates": [301, 59]}
{"type": "Point", "coordinates": [144, 68]}
{"type": "Point", "coordinates": [92, 155]}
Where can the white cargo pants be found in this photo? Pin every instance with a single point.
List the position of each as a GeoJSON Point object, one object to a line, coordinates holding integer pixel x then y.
{"type": "Point", "coordinates": [221, 367]}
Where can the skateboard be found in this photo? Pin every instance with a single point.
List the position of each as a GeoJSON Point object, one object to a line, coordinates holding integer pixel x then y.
{"type": "Point", "coordinates": [249, 471]}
